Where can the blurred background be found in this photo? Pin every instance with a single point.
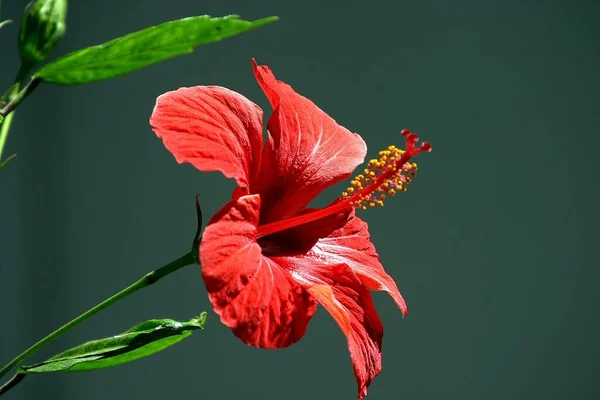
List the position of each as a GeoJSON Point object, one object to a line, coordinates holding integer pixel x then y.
{"type": "Point", "coordinates": [493, 246]}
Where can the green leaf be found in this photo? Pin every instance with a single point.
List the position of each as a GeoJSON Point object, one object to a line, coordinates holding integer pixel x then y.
{"type": "Point", "coordinates": [140, 49]}
{"type": "Point", "coordinates": [140, 341]}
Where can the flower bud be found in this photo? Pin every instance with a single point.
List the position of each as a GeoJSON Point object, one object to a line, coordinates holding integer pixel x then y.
{"type": "Point", "coordinates": [42, 26]}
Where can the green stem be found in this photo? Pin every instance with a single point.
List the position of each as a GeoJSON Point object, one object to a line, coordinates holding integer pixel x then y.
{"type": "Point", "coordinates": [18, 97]}
{"type": "Point", "coordinates": [3, 163]}
{"type": "Point", "coordinates": [145, 281]}
{"type": "Point", "coordinates": [14, 97]}
{"type": "Point", "coordinates": [3, 23]}
{"type": "Point", "coordinates": [12, 382]}
{"type": "Point", "coordinates": [4, 127]}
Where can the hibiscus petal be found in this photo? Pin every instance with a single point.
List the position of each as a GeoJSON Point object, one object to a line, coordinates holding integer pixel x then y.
{"type": "Point", "coordinates": [351, 245]}
{"type": "Point", "coordinates": [307, 150]}
{"type": "Point", "coordinates": [212, 128]}
{"type": "Point", "coordinates": [338, 239]}
{"type": "Point", "coordinates": [349, 302]}
{"type": "Point", "coordinates": [259, 301]}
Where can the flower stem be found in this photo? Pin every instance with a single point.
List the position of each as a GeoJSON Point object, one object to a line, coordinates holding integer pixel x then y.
{"type": "Point", "coordinates": [145, 281]}
{"type": "Point", "coordinates": [3, 163]}
{"type": "Point", "coordinates": [18, 96]}
{"type": "Point", "coordinates": [4, 23]}
{"type": "Point", "coordinates": [4, 128]}
{"type": "Point", "coordinates": [15, 96]}
{"type": "Point", "coordinates": [12, 382]}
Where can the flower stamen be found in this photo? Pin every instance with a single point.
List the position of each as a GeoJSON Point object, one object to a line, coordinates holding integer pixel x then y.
{"type": "Point", "coordinates": [384, 176]}
{"type": "Point", "coordinates": [391, 173]}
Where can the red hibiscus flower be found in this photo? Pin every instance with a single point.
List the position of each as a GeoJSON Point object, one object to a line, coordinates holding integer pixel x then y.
{"type": "Point", "coordinates": [268, 260]}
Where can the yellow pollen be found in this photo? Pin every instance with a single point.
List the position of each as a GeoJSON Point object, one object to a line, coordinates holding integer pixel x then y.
{"type": "Point", "coordinates": [396, 182]}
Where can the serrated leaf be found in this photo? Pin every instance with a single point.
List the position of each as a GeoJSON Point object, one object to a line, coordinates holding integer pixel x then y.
{"type": "Point", "coordinates": [140, 49]}
{"type": "Point", "coordinates": [142, 340]}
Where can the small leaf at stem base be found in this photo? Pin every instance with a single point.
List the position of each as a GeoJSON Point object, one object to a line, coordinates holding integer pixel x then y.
{"type": "Point", "coordinates": [142, 340]}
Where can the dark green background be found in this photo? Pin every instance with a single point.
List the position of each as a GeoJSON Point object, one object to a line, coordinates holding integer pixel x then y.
{"type": "Point", "coordinates": [492, 246]}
